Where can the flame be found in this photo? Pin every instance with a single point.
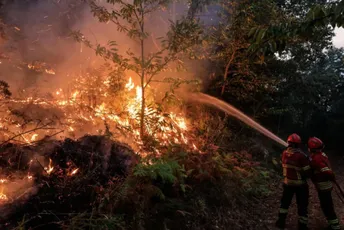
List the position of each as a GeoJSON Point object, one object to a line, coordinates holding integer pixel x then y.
{"type": "Point", "coordinates": [50, 71]}
{"type": "Point", "coordinates": [75, 94]}
{"type": "Point", "coordinates": [160, 129]}
{"type": "Point", "coordinates": [3, 181]}
{"type": "Point", "coordinates": [194, 146]}
{"type": "Point", "coordinates": [130, 85]}
{"type": "Point", "coordinates": [74, 172]}
{"type": "Point", "coordinates": [50, 167]}
{"type": "Point", "coordinates": [94, 106]}
{"type": "Point", "coordinates": [3, 196]}
{"type": "Point", "coordinates": [138, 94]}
{"type": "Point", "coordinates": [34, 136]}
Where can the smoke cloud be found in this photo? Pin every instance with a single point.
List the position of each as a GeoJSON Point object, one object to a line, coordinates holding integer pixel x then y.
{"type": "Point", "coordinates": [39, 32]}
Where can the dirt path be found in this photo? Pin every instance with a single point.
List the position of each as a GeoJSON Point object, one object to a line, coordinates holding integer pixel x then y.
{"type": "Point", "coordinates": [317, 220]}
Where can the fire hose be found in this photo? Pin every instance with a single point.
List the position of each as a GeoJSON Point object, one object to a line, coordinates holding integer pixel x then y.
{"type": "Point", "coordinates": [341, 193]}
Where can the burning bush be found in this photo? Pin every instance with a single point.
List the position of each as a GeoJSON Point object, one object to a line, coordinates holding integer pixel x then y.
{"type": "Point", "coordinates": [92, 106]}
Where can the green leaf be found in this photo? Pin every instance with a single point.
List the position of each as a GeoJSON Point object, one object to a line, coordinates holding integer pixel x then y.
{"type": "Point", "coordinates": [261, 35]}
{"type": "Point", "coordinates": [252, 32]}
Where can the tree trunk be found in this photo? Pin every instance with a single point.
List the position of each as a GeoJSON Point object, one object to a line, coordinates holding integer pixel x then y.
{"type": "Point", "coordinates": [226, 72]}
{"type": "Point", "coordinates": [142, 117]}
{"type": "Point", "coordinates": [142, 120]}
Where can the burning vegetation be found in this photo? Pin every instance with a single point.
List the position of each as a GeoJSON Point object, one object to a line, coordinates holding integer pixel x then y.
{"type": "Point", "coordinates": [88, 106]}
{"type": "Point", "coordinates": [94, 133]}
{"type": "Point", "coordinates": [52, 175]}
{"type": "Point", "coordinates": [37, 164]}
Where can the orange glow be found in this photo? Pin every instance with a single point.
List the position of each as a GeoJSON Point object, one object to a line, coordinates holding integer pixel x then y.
{"type": "Point", "coordinates": [74, 172]}
{"type": "Point", "coordinates": [85, 108]}
{"type": "Point", "coordinates": [3, 197]}
{"type": "Point", "coordinates": [50, 167]}
{"type": "Point", "coordinates": [34, 136]}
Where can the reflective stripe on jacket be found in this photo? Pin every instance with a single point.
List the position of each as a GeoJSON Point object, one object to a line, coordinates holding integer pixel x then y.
{"type": "Point", "coordinates": [322, 173]}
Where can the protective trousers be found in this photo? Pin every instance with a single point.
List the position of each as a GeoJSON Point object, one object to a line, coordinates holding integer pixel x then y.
{"type": "Point", "coordinates": [327, 207]}
{"type": "Point", "coordinates": [302, 194]}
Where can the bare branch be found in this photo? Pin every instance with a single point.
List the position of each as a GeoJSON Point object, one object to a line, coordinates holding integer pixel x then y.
{"type": "Point", "coordinates": [42, 127]}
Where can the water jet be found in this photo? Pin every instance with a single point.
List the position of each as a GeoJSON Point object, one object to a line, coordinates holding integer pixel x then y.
{"type": "Point", "coordinates": [231, 110]}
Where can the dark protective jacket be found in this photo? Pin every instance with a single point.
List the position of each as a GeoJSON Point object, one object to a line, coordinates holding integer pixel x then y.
{"type": "Point", "coordinates": [323, 175]}
{"type": "Point", "coordinates": [296, 167]}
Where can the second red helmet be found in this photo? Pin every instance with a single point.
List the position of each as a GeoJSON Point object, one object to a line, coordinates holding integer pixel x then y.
{"type": "Point", "coordinates": [315, 143]}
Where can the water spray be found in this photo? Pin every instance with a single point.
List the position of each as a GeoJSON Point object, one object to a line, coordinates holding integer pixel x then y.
{"type": "Point", "coordinates": [231, 110]}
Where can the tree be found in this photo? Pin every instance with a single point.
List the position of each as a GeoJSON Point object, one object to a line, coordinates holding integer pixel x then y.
{"type": "Point", "coordinates": [274, 37]}
{"type": "Point", "coordinates": [130, 18]}
{"type": "Point", "coordinates": [242, 78]}
{"type": "Point", "coordinates": [289, 91]}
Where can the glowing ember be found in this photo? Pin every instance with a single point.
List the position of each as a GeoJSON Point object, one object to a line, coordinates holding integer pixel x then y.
{"type": "Point", "coordinates": [50, 71]}
{"type": "Point", "coordinates": [194, 146]}
{"type": "Point", "coordinates": [50, 168]}
{"type": "Point", "coordinates": [75, 94]}
{"type": "Point", "coordinates": [34, 136]}
{"type": "Point", "coordinates": [3, 196]}
{"type": "Point", "coordinates": [3, 181]}
{"type": "Point", "coordinates": [74, 172]}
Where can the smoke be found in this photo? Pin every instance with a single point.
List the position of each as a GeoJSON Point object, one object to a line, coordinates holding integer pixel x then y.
{"type": "Point", "coordinates": [39, 31]}
{"type": "Point", "coordinates": [38, 34]}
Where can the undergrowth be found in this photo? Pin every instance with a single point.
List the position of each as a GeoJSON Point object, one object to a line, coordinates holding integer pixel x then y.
{"type": "Point", "coordinates": [211, 188]}
{"type": "Point", "coordinates": [180, 191]}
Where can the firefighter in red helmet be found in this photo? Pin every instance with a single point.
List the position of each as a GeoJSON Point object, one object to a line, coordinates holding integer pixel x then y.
{"type": "Point", "coordinates": [322, 178]}
{"type": "Point", "coordinates": [296, 169]}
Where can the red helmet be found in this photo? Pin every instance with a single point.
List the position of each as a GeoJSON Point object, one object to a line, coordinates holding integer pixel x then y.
{"type": "Point", "coordinates": [294, 138]}
{"type": "Point", "coordinates": [315, 143]}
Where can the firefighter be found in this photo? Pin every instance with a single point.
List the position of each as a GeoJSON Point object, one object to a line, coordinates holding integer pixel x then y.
{"type": "Point", "coordinates": [296, 169]}
{"type": "Point", "coordinates": [322, 178]}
